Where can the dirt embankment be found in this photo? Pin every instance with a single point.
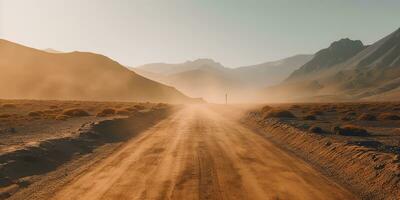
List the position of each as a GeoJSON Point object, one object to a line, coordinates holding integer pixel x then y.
{"type": "Point", "coordinates": [23, 168]}
{"type": "Point", "coordinates": [366, 171]}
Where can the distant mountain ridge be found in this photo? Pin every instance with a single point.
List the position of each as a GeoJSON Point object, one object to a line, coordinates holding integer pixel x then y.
{"type": "Point", "coordinates": [211, 80]}
{"type": "Point", "coordinates": [29, 73]}
{"type": "Point", "coordinates": [167, 69]}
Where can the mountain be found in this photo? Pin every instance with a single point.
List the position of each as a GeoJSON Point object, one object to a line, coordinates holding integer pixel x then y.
{"type": "Point", "coordinates": [271, 73]}
{"type": "Point", "coordinates": [336, 53]}
{"type": "Point", "coordinates": [211, 80]}
{"type": "Point", "coordinates": [349, 71]}
{"type": "Point", "coordinates": [50, 50]}
{"type": "Point", "coordinates": [168, 69]}
{"type": "Point", "coordinates": [34, 74]}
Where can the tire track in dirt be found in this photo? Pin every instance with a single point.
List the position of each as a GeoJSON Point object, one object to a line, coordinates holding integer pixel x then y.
{"type": "Point", "coordinates": [197, 154]}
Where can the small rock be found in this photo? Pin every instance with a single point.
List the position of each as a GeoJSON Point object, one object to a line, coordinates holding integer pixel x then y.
{"type": "Point", "coordinates": [13, 130]}
{"type": "Point", "coordinates": [396, 158]}
{"type": "Point", "coordinates": [328, 143]}
{"type": "Point", "coordinates": [379, 166]}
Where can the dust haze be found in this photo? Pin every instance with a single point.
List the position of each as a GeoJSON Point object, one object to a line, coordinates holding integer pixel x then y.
{"type": "Point", "coordinates": [34, 74]}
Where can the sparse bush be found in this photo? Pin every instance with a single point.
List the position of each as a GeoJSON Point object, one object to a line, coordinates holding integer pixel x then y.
{"type": "Point", "coordinates": [35, 113]}
{"type": "Point", "coordinates": [75, 112]}
{"type": "Point", "coordinates": [62, 117]}
{"type": "Point", "coordinates": [347, 118]}
{"type": "Point", "coordinates": [9, 105]}
{"type": "Point", "coordinates": [161, 105]}
{"type": "Point", "coordinates": [367, 117]}
{"type": "Point", "coordinates": [139, 107]}
{"type": "Point", "coordinates": [295, 107]}
{"type": "Point", "coordinates": [349, 130]}
{"type": "Point", "coordinates": [131, 109]}
{"type": "Point", "coordinates": [279, 113]}
{"type": "Point", "coordinates": [315, 129]}
{"type": "Point", "coordinates": [266, 109]}
{"type": "Point", "coordinates": [122, 112]}
{"type": "Point", "coordinates": [352, 113]}
{"type": "Point", "coordinates": [388, 116]}
{"type": "Point", "coordinates": [5, 115]}
{"type": "Point", "coordinates": [106, 112]}
{"type": "Point", "coordinates": [309, 117]}
{"type": "Point", "coordinates": [316, 112]}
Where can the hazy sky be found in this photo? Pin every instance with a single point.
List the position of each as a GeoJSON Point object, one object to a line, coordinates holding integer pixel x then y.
{"type": "Point", "coordinates": [233, 32]}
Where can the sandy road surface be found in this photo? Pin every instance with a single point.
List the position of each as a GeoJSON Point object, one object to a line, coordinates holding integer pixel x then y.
{"type": "Point", "coordinates": [198, 154]}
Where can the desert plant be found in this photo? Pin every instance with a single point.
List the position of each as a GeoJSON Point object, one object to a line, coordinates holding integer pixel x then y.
{"type": "Point", "coordinates": [349, 130]}
{"type": "Point", "coordinates": [122, 112]}
{"type": "Point", "coordinates": [131, 109]}
{"type": "Point", "coordinates": [5, 115]}
{"type": "Point", "coordinates": [35, 113]}
{"type": "Point", "coordinates": [279, 113]}
{"type": "Point", "coordinates": [106, 112]}
{"type": "Point", "coordinates": [295, 106]}
{"type": "Point", "coordinates": [388, 116]}
{"type": "Point", "coordinates": [316, 112]}
{"type": "Point", "coordinates": [161, 105]}
{"type": "Point", "coordinates": [367, 117]}
{"type": "Point", "coordinates": [75, 112]}
{"type": "Point", "coordinates": [62, 117]}
{"type": "Point", "coordinates": [315, 129]}
{"type": "Point", "coordinates": [139, 107]}
{"type": "Point", "coordinates": [9, 105]}
{"type": "Point", "coordinates": [310, 117]}
{"type": "Point", "coordinates": [265, 109]}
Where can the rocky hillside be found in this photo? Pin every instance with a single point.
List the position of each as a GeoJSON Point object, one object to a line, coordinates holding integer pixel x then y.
{"type": "Point", "coordinates": [347, 70]}
{"type": "Point", "coordinates": [337, 52]}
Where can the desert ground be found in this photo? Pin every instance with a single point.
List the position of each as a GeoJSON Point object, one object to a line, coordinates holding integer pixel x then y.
{"type": "Point", "coordinates": [40, 136]}
{"type": "Point", "coordinates": [200, 151]}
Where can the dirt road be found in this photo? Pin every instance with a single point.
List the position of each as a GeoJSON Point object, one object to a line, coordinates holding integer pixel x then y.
{"type": "Point", "coordinates": [198, 154]}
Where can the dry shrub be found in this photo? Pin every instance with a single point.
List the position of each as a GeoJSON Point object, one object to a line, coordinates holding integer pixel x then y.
{"type": "Point", "coordinates": [62, 117]}
{"type": "Point", "coordinates": [139, 107]}
{"type": "Point", "coordinates": [131, 109]}
{"type": "Point", "coordinates": [316, 112]}
{"type": "Point", "coordinates": [122, 112]}
{"type": "Point", "coordinates": [349, 130]}
{"type": "Point", "coordinates": [367, 117]}
{"type": "Point", "coordinates": [266, 109]}
{"type": "Point", "coordinates": [75, 112]}
{"type": "Point", "coordinates": [279, 113]}
{"type": "Point", "coordinates": [310, 117]}
{"type": "Point", "coordinates": [316, 129]}
{"type": "Point", "coordinates": [347, 117]}
{"type": "Point", "coordinates": [35, 113]}
{"type": "Point", "coordinates": [52, 111]}
{"type": "Point", "coordinates": [396, 108]}
{"type": "Point", "coordinates": [9, 105]}
{"type": "Point", "coordinates": [5, 115]}
{"type": "Point", "coordinates": [295, 107]}
{"type": "Point", "coordinates": [106, 112]}
{"type": "Point", "coordinates": [53, 107]}
{"type": "Point", "coordinates": [161, 105]}
{"type": "Point", "coordinates": [352, 113]}
{"type": "Point", "coordinates": [388, 116]}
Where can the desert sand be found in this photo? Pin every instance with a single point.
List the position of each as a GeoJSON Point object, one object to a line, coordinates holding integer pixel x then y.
{"type": "Point", "coordinates": [197, 153]}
